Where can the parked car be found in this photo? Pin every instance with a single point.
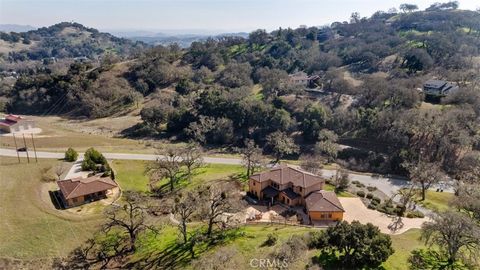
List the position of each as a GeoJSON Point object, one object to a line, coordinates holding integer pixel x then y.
{"type": "Point", "coordinates": [22, 149]}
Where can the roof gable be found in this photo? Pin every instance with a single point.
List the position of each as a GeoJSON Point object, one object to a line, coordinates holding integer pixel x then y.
{"type": "Point", "coordinates": [285, 174]}
{"type": "Point", "coordinates": [323, 201]}
{"type": "Point", "coordinates": [76, 187]}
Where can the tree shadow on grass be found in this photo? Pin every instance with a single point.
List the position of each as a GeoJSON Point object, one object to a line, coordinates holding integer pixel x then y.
{"type": "Point", "coordinates": [178, 256]}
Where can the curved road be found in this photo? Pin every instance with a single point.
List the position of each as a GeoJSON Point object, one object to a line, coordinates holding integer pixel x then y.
{"type": "Point", "coordinates": [388, 185]}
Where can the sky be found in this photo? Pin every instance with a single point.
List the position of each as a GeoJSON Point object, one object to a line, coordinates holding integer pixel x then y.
{"type": "Point", "coordinates": [213, 16]}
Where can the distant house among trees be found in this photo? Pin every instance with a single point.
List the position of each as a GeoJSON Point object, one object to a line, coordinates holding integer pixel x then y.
{"type": "Point", "coordinates": [15, 123]}
{"type": "Point", "coordinates": [79, 191]}
{"type": "Point", "coordinates": [439, 88]}
{"type": "Point", "coordinates": [81, 59]}
{"type": "Point", "coordinates": [302, 78]}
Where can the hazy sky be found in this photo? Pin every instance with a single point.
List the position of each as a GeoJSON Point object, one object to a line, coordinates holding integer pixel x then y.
{"type": "Point", "coordinates": [213, 15]}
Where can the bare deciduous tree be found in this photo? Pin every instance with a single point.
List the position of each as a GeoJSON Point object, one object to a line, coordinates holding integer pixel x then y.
{"type": "Point", "coordinates": [407, 199]}
{"type": "Point", "coordinates": [312, 163]}
{"type": "Point", "coordinates": [341, 180]}
{"type": "Point", "coordinates": [167, 165]}
{"type": "Point", "coordinates": [191, 158]}
{"type": "Point", "coordinates": [425, 174]}
{"type": "Point", "coordinates": [129, 217]}
{"type": "Point", "coordinates": [184, 207]}
{"type": "Point", "coordinates": [219, 200]}
{"type": "Point", "coordinates": [59, 170]}
{"type": "Point", "coordinates": [252, 157]}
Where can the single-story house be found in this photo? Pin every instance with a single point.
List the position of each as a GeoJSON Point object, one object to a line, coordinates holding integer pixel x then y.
{"type": "Point", "coordinates": [439, 87]}
{"type": "Point", "coordinates": [79, 191]}
{"type": "Point", "coordinates": [294, 187]}
{"type": "Point", "coordinates": [15, 123]}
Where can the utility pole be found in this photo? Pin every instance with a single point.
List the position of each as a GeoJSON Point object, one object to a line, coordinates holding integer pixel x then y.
{"type": "Point", "coordinates": [34, 149]}
{"type": "Point", "coordinates": [26, 149]}
{"type": "Point", "coordinates": [16, 147]}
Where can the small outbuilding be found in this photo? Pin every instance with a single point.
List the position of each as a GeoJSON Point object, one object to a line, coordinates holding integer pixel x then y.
{"type": "Point", "coordinates": [15, 123]}
{"type": "Point", "coordinates": [439, 88]}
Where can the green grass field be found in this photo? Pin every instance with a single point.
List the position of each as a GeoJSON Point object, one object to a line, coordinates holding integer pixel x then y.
{"type": "Point", "coordinates": [438, 201]}
{"type": "Point", "coordinates": [247, 242]}
{"type": "Point", "coordinates": [131, 176]}
{"type": "Point", "coordinates": [29, 227]}
{"type": "Point", "coordinates": [403, 244]}
{"type": "Point", "coordinates": [339, 194]}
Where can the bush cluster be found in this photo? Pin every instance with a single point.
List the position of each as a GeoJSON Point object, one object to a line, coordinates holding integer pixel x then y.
{"type": "Point", "coordinates": [71, 155]}
{"type": "Point", "coordinates": [96, 162]}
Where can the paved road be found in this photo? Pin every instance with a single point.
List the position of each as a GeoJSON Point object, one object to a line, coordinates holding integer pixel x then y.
{"type": "Point", "coordinates": [387, 185]}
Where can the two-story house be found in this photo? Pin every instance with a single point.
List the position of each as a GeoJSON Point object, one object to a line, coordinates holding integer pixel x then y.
{"type": "Point", "coordinates": [295, 187]}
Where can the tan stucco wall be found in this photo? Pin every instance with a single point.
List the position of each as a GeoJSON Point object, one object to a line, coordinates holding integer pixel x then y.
{"type": "Point", "coordinates": [257, 187]}
{"type": "Point", "coordinates": [315, 215]}
{"type": "Point", "coordinates": [80, 200]}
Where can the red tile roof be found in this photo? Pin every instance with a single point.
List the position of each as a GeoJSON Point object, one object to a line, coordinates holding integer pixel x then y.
{"type": "Point", "coordinates": [13, 117]}
{"type": "Point", "coordinates": [76, 187]}
{"type": "Point", "coordinates": [285, 174]}
{"type": "Point", "coordinates": [7, 123]}
{"type": "Point", "coordinates": [323, 201]}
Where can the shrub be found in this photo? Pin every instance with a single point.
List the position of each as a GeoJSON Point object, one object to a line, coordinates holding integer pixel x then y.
{"type": "Point", "coordinates": [415, 214]}
{"type": "Point", "coordinates": [95, 156]}
{"type": "Point", "coordinates": [71, 155]}
{"type": "Point", "coordinates": [271, 239]}
{"type": "Point", "coordinates": [371, 189]}
{"type": "Point", "coordinates": [355, 182]}
{"type": "Point", "coordinates": [361, 194]}
{"type": "Point", "coordinates": [369, 196]}
{"type": "Point", "coordinates": [360, 185]}
{"type": "Point", "coordinates": [88, 165]}
{"type": "Point", "coordinates": [374, 202]}
{"type": "Point", "coordinates": [372, 206]}
{"type": "Point", "coordinates": [376, 199]}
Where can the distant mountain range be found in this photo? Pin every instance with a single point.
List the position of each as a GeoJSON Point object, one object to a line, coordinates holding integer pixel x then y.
{"type": "Point", "coordinates": [16, 28]}
{"type": "Point", "coordinates": [181, 37]}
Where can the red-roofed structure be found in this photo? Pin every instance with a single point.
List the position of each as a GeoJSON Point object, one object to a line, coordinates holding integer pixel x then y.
{"type": "Point", "coordinates": [15, 123]}
{"type": "Point", "coordinates": [78, 191]}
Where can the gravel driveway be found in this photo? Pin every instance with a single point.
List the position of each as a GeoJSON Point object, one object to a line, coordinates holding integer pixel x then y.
{"type": "Point", "coordinates": [356, 210]}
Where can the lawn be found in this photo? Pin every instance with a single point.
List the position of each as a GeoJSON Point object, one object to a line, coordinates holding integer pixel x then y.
{"type": "Point", "coordinates": [131, 176]}
{"type": "Point", "coordinates": [403, 244]}
{"type": "Point", "coordinates": [438, 201]}
{"type": "Point", "coordinates": [31, 228]}
{"type": "Point", "coordinates": [247, 242]}
{"type": "Point", "coordinates": [339, 194]}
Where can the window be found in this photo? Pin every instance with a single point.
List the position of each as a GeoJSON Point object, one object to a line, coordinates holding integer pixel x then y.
{"type": "Point", "coordinates": [288, 201]}
{"type": "Point", "coordinates": [300, 189]}
{"type": "Point", "coordinates": [74, 200]}
{"type": "Point", "coordinates": [253, 183]}
{"type": "Point", "coordinates": [329, 215]}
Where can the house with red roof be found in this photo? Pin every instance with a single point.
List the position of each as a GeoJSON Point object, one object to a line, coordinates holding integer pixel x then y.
{"type": "Point", "coordinates": [294, 187]}
{"type": "Point", "coordinates": [79, 191]}
{"type": "Point", "coordinates": [15, 123]}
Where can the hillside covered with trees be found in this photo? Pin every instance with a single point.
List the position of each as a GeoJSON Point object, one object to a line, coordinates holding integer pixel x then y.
{"type": "Point", "coordinates": [224, 91]}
